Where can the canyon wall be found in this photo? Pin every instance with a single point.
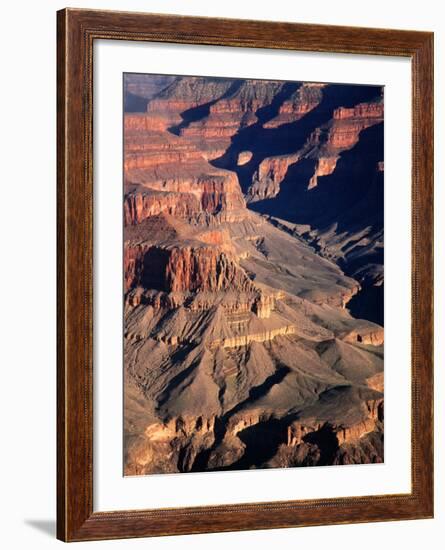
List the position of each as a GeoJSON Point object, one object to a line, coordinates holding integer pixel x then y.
{"type": "Point", "coordinates": [251, 229]}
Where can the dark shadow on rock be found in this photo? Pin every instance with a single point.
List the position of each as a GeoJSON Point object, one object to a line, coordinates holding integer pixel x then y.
{"type": "Point", "coordinates": [272, 110]}
{"type": "Point", "coordinates": [197, 113]}
{"type": "Point", "coordinates": [135, 103]}
{"type": "Point", "coordinates": [262, 441]}
{"type": "Point", "coordinates": [221, 423]}
{"type": "Point", "coordinates": [368, 304]}
{"type": "Point", "coordinates": [179, 379]}
{"type": "Point", "coordinates": [261, 390]}
{"type": "Point", "coordinates": [287, 138]}
{"type": "Point", "coordinates": [326, 440]}
{"type": "Point", "coordinates": [350, 200]}
{"type": "Point", "coordinates": [348, 197]}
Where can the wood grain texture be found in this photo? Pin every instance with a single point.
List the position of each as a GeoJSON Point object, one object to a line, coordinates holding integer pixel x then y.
{"type": "Point", "coordinates": [77, 30]}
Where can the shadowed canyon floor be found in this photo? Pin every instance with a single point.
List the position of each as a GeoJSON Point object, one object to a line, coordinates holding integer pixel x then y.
{"type": "Point", "coordinates": [253, 274]}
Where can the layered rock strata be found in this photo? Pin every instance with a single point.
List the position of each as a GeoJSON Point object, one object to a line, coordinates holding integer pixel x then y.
{"type": "Point", "coordinates": [240, 350]}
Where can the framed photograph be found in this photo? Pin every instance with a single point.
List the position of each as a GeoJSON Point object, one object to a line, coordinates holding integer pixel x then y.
{"type": "Point", "coordinates": [245, 230]}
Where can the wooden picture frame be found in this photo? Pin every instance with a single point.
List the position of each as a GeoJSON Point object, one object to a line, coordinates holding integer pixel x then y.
{"type": "Point", "coordinates": [77, 31]}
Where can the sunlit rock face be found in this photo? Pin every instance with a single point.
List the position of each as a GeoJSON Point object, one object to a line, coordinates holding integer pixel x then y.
{"type": "Point", "coordinates": [253, 236]}
{"type": "Point", "coordinates": [305, 98]}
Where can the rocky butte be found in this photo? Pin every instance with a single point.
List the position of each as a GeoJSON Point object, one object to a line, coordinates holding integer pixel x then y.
{"type": "Point", "coordinates": [253, 274]}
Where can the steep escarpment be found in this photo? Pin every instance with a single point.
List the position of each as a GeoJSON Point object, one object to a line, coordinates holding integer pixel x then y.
{"type": "Point", "coordinates": [194, 193]}
{"type": "Point", "coordinates": [321, 169]}
{"type": "Point", "coordinates": [324, 145]}
{"type": "Point", "coordinates": [234, 110]}
{"type": "Point", "coordinates": [153, 183]}
{"type": "Point", "coordinates": [305, 98]}
{"type": "Point", "coordinates": [332, 191]}
{"type": "Point", "coordinates": [341, 134]}
{"type": "Point", "coordinates": [251, 231]}
{"type": "Point", "coordinates": [186, 268]}
{"type": "Point", "coordinates": [176, 102]}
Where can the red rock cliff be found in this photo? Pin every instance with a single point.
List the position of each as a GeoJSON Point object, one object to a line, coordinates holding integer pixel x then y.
{"type": "Point", "coordinates": [184, 268]}
{"type": "Point", "coordinates": [301, 102]}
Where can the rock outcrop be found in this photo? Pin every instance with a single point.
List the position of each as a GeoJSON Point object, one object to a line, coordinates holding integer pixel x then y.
{"type": "Point", "coordinates": [301, 102]}
{"type": "Point", "coordinates": [244, 157]}
{"type": "Point", "coordinates": [191, 268]}
{"type": "Point", "coordinates": [214, 192]}
{"type": "Point", "coordinates": [185, 94]}
{"type": "Point", "coordinates": [324, 145]}
{"type": "Point", "coordinates": [266, 180]}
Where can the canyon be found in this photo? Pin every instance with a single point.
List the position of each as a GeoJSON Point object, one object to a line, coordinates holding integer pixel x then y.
{"type": "Point", "coordinates": [253, 274]}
